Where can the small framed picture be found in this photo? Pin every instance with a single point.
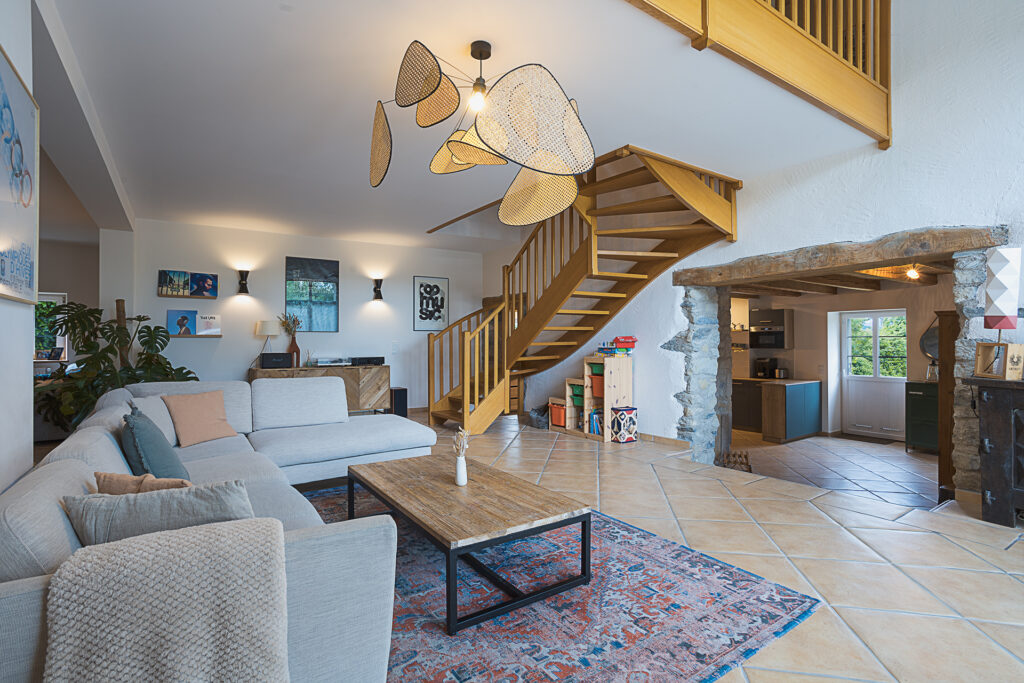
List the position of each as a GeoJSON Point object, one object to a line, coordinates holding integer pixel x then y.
{"type": "Point", "coordinates": [172, 283]}
{"type": "Point", "coordinates": [56, 353]}
{"type": "Point", "coordinates": [430, 303]}
{"type": "Point", "coordinates": [43, 354]}
{"type": "Point", "coordinates": [202, 285]}
{"type": "Point", "coordinates": [181, 323]}
{"type": "Point", "coordinates": [208, 326]}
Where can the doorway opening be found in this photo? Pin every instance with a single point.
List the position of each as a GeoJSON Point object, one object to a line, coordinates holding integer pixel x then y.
{"type": "Point", "coordinates": [873, 373]}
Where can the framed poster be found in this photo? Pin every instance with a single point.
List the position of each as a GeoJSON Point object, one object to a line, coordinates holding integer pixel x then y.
{"type": "Point", "coordinates": [430, 303]}
{"type": "Point", "coordinates": [208, 326]}
{"type": "Point", "coordinates": [183, 284]}
{"type": "Point", "coordinates": [181, 323]}
{"type": "Point", "coordinates": [19, 169]}
{"type": "Point", "coordinates": [311, 292]}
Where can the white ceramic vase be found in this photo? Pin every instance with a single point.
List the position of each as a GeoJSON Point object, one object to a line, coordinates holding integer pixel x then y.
{"type": "Point", "coordinates": [460, 470]}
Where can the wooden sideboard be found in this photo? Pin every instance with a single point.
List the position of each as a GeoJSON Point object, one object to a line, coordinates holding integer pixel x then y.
{"type": "Point", "coordinates": [1001, 448]}
{"type": "Point", "coordinates": [368, 387]}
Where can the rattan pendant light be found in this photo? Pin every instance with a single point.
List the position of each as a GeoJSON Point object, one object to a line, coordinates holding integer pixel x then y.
{"type": "Point", "coordinates": [525, 117]}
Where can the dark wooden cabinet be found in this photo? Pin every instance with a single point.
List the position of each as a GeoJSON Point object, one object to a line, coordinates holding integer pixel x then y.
{"type": "Point", "coordinates": [746, 405]}
{"type": "Point", "coordinates": [1000, 406]}
{"type": "Point", "coordinates": [922, 411]}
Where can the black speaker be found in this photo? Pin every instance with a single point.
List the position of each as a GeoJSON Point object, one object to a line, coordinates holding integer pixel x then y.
{"type": "Point", "coordinates": [367, 360]}
{"type": "Point", "coordinates": [399, 401]}
{"type": "Point", "coordinates": [275, 360]}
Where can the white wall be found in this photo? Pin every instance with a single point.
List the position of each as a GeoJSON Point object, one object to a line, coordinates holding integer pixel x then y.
{"type": "Point", "coordinates": [366, 328]}
{"type": "Point", "coordinates": [16, 319]}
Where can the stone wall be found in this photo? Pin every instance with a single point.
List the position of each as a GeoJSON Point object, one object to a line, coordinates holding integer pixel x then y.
{"type": "Point", "coordinates": [699, 397]}
{"type": "Point", "coordinates": [968, 295]}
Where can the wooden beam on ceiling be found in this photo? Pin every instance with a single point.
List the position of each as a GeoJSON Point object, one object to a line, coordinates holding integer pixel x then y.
{"type": "Point", "coordinates": [465, 215]}
{"type": "Point", "coordinates": [925, 244]}
{"type": "Point", "coordinates": [938, 267]}
{"type": "Point", "coordinates": [800, 286]}
{"type": "Point", "coordinates": [857, 284]}
{"type": "Point", "coordinates": [763, 288]}
{"type": "Point", "coordinates": [899, 274]}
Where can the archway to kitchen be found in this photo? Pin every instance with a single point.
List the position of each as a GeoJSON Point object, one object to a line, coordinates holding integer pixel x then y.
{"type": "Point", "coordinates": [782, 314]}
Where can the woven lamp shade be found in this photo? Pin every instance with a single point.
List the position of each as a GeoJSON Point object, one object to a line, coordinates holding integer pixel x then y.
{"type": "Point", "coordinates": [418, 77]}
{"type": "Point", "coordinates": [440, 105]}
{"type": "Point", "coordinates": [1002, 288]}
{"type": "Point", "coordinates": [533, 197]}
{"type": "Point", "coordinates": [528, 119]}
{"type": "Point", "coordinates": [380, 146]}
{"type": "Point", "coordinates": [471, 150]}
{"type": "Point", "coordinates": [444, 162]}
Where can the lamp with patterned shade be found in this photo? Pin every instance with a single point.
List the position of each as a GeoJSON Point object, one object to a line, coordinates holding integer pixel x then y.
{"type": "Point", "coordinates": [1002, 288]}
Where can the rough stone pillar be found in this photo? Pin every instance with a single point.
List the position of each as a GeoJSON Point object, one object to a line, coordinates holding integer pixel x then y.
{"type": "Point", "coordinates": [968, 293]}
{"type": "Point", "coordinates": [699, 398]}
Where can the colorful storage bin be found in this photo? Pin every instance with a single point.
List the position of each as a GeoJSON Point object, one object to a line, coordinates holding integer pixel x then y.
{"type": "Point", "coordinates": [577, 389]}
{"type": "Point", "coordinates": [597, 385]}
{"type": "Point", "coordinates": [577, 400]}
{"type": "Point", "coordinates": [556, 414]}
{"type": "Point", "coordinates": [625, 342]}
{"type": "Point", "coordinates": [596, 368]}
{"type": "Point", "coordinates": [623, 426]}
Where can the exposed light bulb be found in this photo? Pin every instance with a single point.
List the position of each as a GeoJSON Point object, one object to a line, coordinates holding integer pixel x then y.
{"type": "Point", "coordinates": [476, 101]}
{"type": "Point", "coordinates": [913, 274]}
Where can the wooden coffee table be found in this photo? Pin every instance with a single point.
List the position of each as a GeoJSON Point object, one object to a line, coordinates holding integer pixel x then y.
{"type": "Point", "coordinates": [493, 508]}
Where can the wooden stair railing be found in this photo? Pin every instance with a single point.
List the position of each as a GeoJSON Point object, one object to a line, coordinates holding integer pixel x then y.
{"type": "Point", "coordinates": [485, 393]}
{"type": "Point", "coordinates": [444, 360]}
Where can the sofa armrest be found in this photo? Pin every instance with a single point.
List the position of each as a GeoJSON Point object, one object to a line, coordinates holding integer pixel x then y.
{"type": "Point", "coordinates": [341, 590]}
{"type": "Point", "coordinates": [23, 628]}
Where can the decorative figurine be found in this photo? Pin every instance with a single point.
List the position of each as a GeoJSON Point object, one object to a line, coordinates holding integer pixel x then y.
{"type": "Point", "coordinates": [461, 445]}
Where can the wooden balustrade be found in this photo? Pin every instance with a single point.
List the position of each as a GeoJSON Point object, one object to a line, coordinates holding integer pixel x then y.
{"type": "Point", "coordinates": [485, 389]}
{"type": "Point", "coordinates": [547, 250]}
{"type": "Point", "coordinates": [444, 354]}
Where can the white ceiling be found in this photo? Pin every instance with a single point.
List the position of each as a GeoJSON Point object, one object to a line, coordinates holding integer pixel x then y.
{"type": "Point", "coordinates": [256, 114]}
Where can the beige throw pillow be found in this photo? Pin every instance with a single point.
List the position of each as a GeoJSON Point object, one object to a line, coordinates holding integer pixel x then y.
{"type": "Point", "coordinates": [120, 484]}
{"type": "Point", "coordinates": [198, 417]}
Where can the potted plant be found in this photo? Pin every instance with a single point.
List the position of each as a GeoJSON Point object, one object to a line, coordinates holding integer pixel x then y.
{"type": "Point", "coordinates": [107, 355]}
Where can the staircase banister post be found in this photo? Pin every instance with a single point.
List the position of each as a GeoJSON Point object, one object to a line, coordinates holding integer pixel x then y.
{"type": "Point", "coordinates": [464, 377]}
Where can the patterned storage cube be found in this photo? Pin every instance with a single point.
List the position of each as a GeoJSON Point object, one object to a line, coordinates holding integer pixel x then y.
{"type": "Point", "coordinates": [623, 427]}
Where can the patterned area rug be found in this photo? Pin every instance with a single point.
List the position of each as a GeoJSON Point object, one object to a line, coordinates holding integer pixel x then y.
{"type": "Point", "coordinates": [654, 611]}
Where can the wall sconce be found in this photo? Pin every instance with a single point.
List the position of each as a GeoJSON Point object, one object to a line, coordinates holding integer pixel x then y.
{"type": "Point", "coordinates": [243, 282]}
{"type": "Point", "coordinates": [377, 296]}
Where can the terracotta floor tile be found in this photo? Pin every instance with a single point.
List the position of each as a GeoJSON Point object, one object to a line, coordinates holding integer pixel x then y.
{"type": "Point", "coordinates": [978, 595]}
{"type": "Point", "coordinates": [730, 475]}
{"type": "Point", "coordinates": [736, 537]}
{"type": "Point", "coordinates": [681, 463]}
{"type": "Point", "coordinates": [733, 676]}
{"type": "Point", "coordinates": [821, 645]}
{"type": "Point", "coordinates": [666, 528]}
{"type": "Point", "coordinates": [979, 532]}
{"type": "Point", "coordinates": [653, 505]}
{"type": "Point", "coordinates": [744, 491]}
{"type": "Point", "coordinates": [856, 504]}
{"type": "Point", "coordinates": [630, 486]}
{"type": "Point", "coordinates": [719, 509]}
{"type": "Point", "coordinates": [857, 520]}
{"type": "Point", "coordinates": [569, 482]}
{"type": "Point", "coordinates": [820, 542]}
{"type": "Point", "coordinates": [786, 512]}
{"type": "Point", "coordinates": [1010, 560]}
{"type": "Point", "coordinates": [707, 488]}
{"type": "Point", "coordinates": [577, 467]}
{"type": "Point", "coordinates": [526, 453]}
{"type": "Point", "coordinates": [927, 649]}
{"type": "Point", "coordinates": [1009, 636]}
{"type": "Point", "coordinates": [767, 676]}
{"type": "Point", "coordinates": [590, 498]}
{"type": "Point", "coordinates": [870, 585]}
{"type": "Point", "coordinates": [772, 567]}
{"type": "Point", "coordinates": [919, 548]}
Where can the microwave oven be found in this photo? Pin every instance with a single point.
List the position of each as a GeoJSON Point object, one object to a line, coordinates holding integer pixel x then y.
{"type": "Point", "coordinates": [771, 328]}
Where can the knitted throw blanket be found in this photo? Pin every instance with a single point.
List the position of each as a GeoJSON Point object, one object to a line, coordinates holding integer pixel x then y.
{"type": "Point", "coordinates": [204, 603]}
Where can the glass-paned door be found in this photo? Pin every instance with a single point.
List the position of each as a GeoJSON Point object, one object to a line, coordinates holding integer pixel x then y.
{"type": "Point", "coordinates": [874, 373]}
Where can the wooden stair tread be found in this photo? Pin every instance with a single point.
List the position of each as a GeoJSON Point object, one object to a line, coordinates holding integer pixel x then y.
{"type": "Point", "coordinates": [526, 371]}
{"type": "Point", "coordinates": [580, 311]}
{"type": "Point", "coordinates": [661, 232]}
{"type": "Point", "coordinates": [598, 295]}
{"type": "Point", "coordinates": [617, 276]}
{"type": "Point", "coordinates": [553, 343]}
{"type": "Point", "coordinates": [652, 205]}
{"type": "Point", "coordinates": [636, 255]}
{"type": "Point", "coordinates": [568, 328]}
{"type": "Point", "coordinates": [623, 181]}
{"type": "Point", "coordinates": [533, 358]}
{"type": "Point", "coordinates": [452, 415]}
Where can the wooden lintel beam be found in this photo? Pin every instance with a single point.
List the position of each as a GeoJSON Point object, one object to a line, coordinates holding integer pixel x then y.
{"type": "Point", "coordinates": [938, 267]}
{"type": "Point", "coordinates": [801, 286]}
{"type": "Point", "coordinates": [763, 288]}
{"type": "Point", "coordinates": [857, 284]}
{"type": "Point", "coordinates": [899, 274]}
{"type": "Point", "coordinates": [924, 244]}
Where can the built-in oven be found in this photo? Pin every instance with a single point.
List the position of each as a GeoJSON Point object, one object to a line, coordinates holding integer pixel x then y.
{"type": "Point", "coordinates": [771, 328]}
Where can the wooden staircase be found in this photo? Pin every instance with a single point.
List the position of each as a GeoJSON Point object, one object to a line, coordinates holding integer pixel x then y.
{"type": "Point", "coordinates": [638, 214]}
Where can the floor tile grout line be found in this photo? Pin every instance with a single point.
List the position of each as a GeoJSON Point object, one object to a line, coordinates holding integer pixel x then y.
{"type": "Point", "coordinates": [824, 601]}
{"type": "Point", "coordinates": [675, 518]}
{"type": "Point", "coordinates": [817, 675]}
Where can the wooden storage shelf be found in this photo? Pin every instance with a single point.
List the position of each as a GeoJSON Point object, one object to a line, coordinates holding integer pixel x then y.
{"type": "Point", "coordinates": [617, 372]}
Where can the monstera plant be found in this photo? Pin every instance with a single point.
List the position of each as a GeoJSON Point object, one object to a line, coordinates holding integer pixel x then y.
{"type": "Point", "coordinates": [108, 355]}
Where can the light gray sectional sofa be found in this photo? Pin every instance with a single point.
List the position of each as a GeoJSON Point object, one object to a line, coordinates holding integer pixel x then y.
{"type": "Point", "coordinates": [340, 576]}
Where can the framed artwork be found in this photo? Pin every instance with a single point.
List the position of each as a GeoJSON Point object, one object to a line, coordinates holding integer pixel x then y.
{"type": "Point", "coordinates": [430, 303]}
{"type": "Point", "coordinates": [183, 284]}
{"type": "Point", "coordinates": [208, 326]}
{"type": "Point", "coordinates": [181, 323]}
{"type": "Point", "coordinates": [19, 169]}
{"type": "Point", "coordinates": [311, 292]}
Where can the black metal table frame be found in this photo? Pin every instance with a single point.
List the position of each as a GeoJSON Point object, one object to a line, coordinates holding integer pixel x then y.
{"type": "Point", "coordinates": [453, 622]}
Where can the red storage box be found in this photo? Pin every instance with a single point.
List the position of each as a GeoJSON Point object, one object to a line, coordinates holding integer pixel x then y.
{"type": "Point", "coordinates": [556, 415]}
{"type": "Point", "coordinates": [597, 385]}
{"type": "Point", "coordinates": [625, 342]}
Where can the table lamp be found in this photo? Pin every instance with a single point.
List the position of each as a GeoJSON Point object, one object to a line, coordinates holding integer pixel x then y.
{"type": "Point", "coordinates": [267, 329]}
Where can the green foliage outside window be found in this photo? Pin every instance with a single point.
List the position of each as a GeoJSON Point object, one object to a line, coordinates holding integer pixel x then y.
{"type": "Point", "coordinates": [45, 338]}
{"type": "Point", "coordinates": [892, 346]}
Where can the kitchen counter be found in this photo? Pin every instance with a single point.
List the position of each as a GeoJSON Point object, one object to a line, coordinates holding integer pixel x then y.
{"type": "Point", "coordinates": [762, 380]}
{"type": "Point", "coordinates": [781, 409]}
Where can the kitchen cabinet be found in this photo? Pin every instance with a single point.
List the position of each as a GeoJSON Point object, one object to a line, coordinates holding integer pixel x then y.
{"type": "Point", "coordinates": [922, 411]}
{"type": "Point", "coordinates": [790, 410]}
{"type": "Point", "coordinates": [746, 405]}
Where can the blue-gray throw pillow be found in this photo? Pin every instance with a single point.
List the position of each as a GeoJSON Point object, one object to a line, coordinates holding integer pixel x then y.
{"type": "Point", "coordinates": [103, 518]}
{"type": "Point", "coordinates": [147, 450]}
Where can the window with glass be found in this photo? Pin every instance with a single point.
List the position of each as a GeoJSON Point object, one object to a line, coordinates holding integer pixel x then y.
{"type": "Point", "coordinates": [875, 344]}
{"type": "Point", "coordinates": [311, 293]}
{"type": "Point", "coordinates": [48, 345]}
